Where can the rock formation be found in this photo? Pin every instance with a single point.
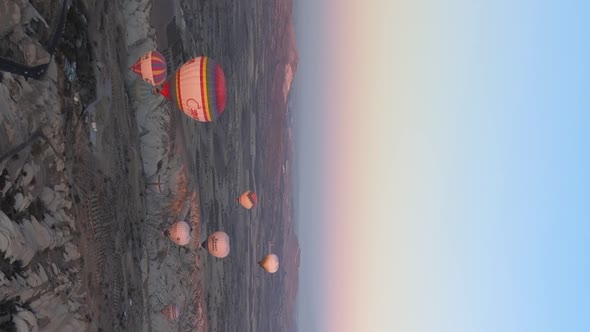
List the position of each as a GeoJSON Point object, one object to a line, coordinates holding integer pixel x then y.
{"type": "Point", "coordinates": [39, 259]}
{"type": "Point", "coordinates": [22, 29]}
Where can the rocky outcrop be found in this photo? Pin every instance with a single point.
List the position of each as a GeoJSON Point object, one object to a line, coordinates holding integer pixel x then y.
{"type": "Point", "coordinates": [10, 16]}
{"type": "Point", "coordinates": [39, 259]}
{"type": "Point", "coordinates": [289, 72]}
{"type": "Point", "coordinates": [286, 45]}
{"type": "Point", "coordinates": [137, 15]}
{"type": "Point", "coordinates": [19, 41]}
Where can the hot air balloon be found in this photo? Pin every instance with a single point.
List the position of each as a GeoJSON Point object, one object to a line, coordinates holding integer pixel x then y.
{"type": "Point", "coordinates": [171, 311]}
{"type": "Point", "coordinates": [270, 263]}
{"type": "Point", "coordinates": [179, 233]}
{"type": "Point", "coordinates": [156, 183]}
{"type": "Point", "coordinates": [198, 89]}
{"type": "Point", "coordinates": [248, 199]}
{"type": "Point", "coordinates": [151, 67]}
{"type": "Point", "coordinates": [217, 244]}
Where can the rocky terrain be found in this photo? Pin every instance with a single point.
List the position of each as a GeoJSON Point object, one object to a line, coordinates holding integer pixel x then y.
{"type": "Point", "coordinates": [70, 233]}
{"type": "Point", "coordinates": [80, 236]}
{"type": "Point", "coordinates": [25, 30]}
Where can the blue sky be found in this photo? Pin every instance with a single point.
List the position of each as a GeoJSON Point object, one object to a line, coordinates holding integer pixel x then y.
{"type": "Point", "coordinates": [474, 162]}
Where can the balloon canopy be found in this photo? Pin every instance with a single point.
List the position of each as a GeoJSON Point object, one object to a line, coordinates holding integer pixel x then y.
{"type": "Point", "coordinates": [270, 263]}
{"type": "Point", "coordinates": [171, 311]}
{"type": "Point", "coordinates": [151, 67]}
{"type": "Point", "coordinates": [179, 233]}
{"type": "Point", "coordinates": [218, 244]}
{"type": "Point", "coordinates": [248, 199]}
{"type": "Point", "coordinates": [198, 88]}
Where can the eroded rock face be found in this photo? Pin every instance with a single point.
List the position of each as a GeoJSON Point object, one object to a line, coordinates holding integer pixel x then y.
{"type": "Point", "coordinates": [21, 26]}
{"type": "Point", "coordinates": [39, 258]}
{"type": "Point", "coordinates": [10, 16]}
{"type": "Point", "coordinates": [34, 54]}
{"type": "Point", "coordinates": [288, 80]}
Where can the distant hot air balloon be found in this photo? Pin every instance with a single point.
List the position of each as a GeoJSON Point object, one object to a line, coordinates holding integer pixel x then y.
{"type": "Point", "coordinates": [270, 263]}
{"type": "Point", "coordinates": [151, 67]}
{"type": "Point", "coordinates": [218, 244]}
{"type": "Point", "coordinates": [248, 199]}
{"type": "Point", "coordinates": [156, 183]}
{"type": "Point", "coordinates": [179, 233]}
{"type": "Point", "coordinates": [171, 311]}
{"type": "Point", "coordinates": [198, 89]}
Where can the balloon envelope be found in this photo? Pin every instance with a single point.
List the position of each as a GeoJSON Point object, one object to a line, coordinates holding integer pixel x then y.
{"type": "Point", "coordinates": [218, 244]}
{"type": "Point", "coordinates": [270, 263]}
{"type": "Point", "coordinates": [171, 311]}
{"type": "Point", "coordinates": [198, 88]}
{"type": "Point", "coordinates": [179, 233]}
{"type": "Point", "coordinates": [151, 67]}
{"type": "Point", "coordinates": [248, 199]}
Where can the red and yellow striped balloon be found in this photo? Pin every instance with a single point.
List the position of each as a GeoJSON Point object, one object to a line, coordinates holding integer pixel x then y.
{"type": "Point", "coordinates": [198, 87]}
{"type": "Point", "coordinates": [151, 67]}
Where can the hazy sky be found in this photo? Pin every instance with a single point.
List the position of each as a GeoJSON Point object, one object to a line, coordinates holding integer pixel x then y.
{"type": "Point", "coordinates": [444, 152]}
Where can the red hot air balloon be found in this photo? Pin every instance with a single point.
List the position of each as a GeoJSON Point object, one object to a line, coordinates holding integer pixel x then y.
{"type": "Point", "coordinates": [151, 67]}
{"type": "Point", "coordinates": [198, 88]}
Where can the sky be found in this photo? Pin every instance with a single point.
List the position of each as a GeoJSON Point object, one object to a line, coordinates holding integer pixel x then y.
{"type": "Point", "coordinates": [443, 153]}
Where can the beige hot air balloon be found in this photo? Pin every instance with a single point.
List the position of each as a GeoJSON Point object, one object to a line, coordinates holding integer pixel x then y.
{"type": "Point", "coordinates": [171, 311]}
{"type": "Point", "coordinates": [218, 244]}
{"type": "Point", "coordinates": [179, 233]}
{"type": "Point", "coordinates": [270, 263]}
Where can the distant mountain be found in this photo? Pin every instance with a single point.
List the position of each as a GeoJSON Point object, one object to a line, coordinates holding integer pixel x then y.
{"type": "Point", "coordinates": [286, 47]}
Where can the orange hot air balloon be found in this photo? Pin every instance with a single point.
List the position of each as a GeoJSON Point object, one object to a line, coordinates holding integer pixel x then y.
{"type": "Point", "coordinates": [248, 199]}
{"type": "Point", "coordinates": [270, 263]}
{"type": "Point", "coordinates": [198, 89]}
{"type": "Point", "coordinates": [151, 67]}
{"type": "Point", "coordinates": [171, 311]}
{"type": "Point", "coordinates": [218, 244]}
{"type": "Point", "coordinates": [179, 233]}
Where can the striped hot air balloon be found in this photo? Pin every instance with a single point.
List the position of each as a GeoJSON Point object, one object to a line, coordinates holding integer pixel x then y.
{"type": "Point", "coordinates": [248, 199]}
{"type": "Point", "coordinates": [151, 67]}
{"type": "Point", "coordinates": [198, 89]}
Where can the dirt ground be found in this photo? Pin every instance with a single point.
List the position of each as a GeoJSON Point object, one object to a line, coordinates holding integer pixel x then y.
{"type": "Point", "coordinates": [107, 182]}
